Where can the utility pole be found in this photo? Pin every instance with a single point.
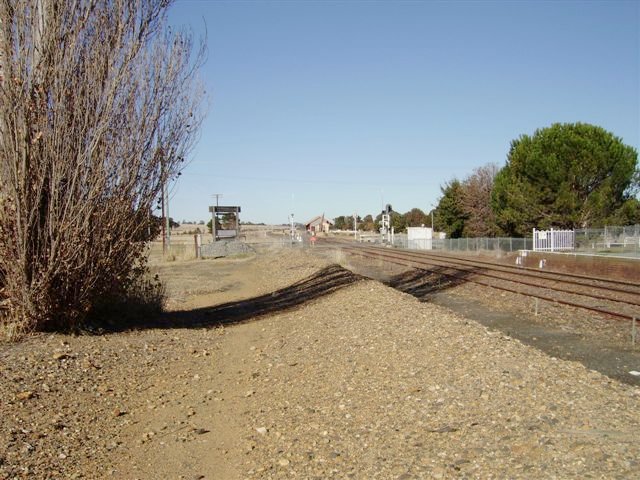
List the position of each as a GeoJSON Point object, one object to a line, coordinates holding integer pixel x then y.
{"type": "Point", "coordinates": [165, 194]}
{"type": "Point", "coordinates": [355, 226]}
{"type": "Point", "coordinates": [166, 227]}
{"type": "Point", "coordinates": [433, 207]}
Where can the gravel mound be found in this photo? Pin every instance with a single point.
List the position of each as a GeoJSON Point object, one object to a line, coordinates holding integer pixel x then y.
{"type": "Point", "coordinates": [365, 382]}
{"type": "Point", "coordinates": [379, 385]}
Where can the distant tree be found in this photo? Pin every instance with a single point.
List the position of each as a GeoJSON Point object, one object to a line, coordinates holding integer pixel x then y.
{"type": "Point", "coordinates": [398, 222]}
{"type": "Point", "coordinates": [173, 223]}
{"type": "Point", "coordinates": [367, 223]}
{"type": "Point", "coordinates": [340, 223]}
{"type": "Point", "coordinates": [450, 216]}
{"type": "Point", "coordinates": [476, 202]}
{"type": "Point", "coordinates": [571, 175]}
{"type": "Point", "coordinates": [416, 217]}
{"type": "Point", "coordinates": [345, 222]}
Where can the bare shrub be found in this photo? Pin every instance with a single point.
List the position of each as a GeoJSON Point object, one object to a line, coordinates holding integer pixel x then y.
{"type": "Point", "coordinates": [99, 104]}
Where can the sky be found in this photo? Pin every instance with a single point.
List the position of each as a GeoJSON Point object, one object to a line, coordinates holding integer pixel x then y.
{"type": "Point", "coordinates": [340, 107]}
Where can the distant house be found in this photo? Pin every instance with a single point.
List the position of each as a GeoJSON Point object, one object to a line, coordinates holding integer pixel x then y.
{"type": "Point", "coordinates": [318, 224]}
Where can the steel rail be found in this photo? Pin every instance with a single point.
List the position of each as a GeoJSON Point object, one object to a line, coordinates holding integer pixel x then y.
{"type": "Point", "coordinates": [581, 280]}
{"type": "Point", "coordinates": [529, 271]}
{"type": "Point", "coordinates": [411, 263]}
{"type": "Point", "coordinates": [431, 260]}
{"type": "Point", "coordinates": [547, 274]}
{"type": "Point", "coordinates": [443, 263]}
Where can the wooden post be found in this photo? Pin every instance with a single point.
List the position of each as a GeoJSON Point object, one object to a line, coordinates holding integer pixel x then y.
{"type": "Point", "coordinates": [237, 225]}
{"type": "Point", "coordinates": [197, 238]}
{"type": "Point", "coordinates": [213, 225]}
{"type": "Point", "coordinates": [164, 226]}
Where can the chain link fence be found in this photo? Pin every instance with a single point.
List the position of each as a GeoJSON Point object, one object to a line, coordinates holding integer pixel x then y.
{"type": "Point", "coordinates": [614, 240]}
{"type": "Point", "coordinates": [498, 244]}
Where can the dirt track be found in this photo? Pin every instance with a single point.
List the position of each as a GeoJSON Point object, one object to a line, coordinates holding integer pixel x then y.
{"type": "Point", "coordinates": [360, 381]}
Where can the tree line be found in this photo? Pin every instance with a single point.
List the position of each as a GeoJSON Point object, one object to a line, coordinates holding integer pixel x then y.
{"type": "Point", "coordinates": [568, 175]}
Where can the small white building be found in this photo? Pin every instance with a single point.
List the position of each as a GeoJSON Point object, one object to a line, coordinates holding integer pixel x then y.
{"type": "Point", "coordinates": [420, 238]}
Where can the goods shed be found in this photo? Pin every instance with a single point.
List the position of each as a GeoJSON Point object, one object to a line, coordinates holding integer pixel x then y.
{"type": "Point", "coordinates": [318, 224]}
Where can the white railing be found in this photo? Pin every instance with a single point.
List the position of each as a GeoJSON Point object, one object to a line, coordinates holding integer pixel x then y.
{"type": "Point", "coordinates": [553, 240]}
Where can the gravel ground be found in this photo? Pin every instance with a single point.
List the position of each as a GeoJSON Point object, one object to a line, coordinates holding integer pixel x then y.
{"type": "Point", "coordinates": [361, 382]}
{"type": "Point", "coordinates": [598, 342]}
{"type": "Point", "coordinates": [408, 390]}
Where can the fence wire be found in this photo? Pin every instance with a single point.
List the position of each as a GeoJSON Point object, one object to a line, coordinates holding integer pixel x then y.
{"type": "Point", "coordinates": [503, 244]}
{"type": "Point", "coordinates": [614, 240]}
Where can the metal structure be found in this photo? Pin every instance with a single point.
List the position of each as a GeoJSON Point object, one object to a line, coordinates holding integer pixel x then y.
{"type": "Point", "coordinates": [553, 240]}
{"type": "Point", "coordinates": [221, 211]}
{"type": "Point", "coordinates": [385, 224]}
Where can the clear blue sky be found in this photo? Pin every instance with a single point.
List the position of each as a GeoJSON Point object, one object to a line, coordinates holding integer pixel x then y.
{"type": "Point", "coordinates": [334, 106]}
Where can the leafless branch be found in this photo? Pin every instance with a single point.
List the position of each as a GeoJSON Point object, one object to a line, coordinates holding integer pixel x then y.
{"type": "Point", "coordinates": [99, 105]}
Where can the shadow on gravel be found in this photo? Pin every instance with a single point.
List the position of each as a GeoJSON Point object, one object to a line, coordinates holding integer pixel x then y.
{"type": "Point", "coordinates": [322, 283]}
{"type": "Point", "coordinates": [421, 283]}
{"type": "Point", "coordinates": [431, 286]}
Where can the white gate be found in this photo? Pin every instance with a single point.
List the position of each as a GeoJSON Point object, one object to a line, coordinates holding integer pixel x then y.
{"type": "Point", "coordinates": [553, 240]}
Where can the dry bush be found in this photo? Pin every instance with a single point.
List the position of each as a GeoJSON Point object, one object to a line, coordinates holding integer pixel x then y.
{"type": "Point", "coordinates": [476, 202]}
{"type": "Point", "coordinates": [99, 104]}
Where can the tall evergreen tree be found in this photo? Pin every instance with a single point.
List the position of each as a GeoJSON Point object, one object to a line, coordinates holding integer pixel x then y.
{"type": "Point", "coordinates": [449, 215]}
{"type": "Point", "coordinates": [572, 175]}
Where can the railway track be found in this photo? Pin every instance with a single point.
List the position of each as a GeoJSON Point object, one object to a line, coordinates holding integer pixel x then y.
{"type": "Point", "coordinates": [613, 298]}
